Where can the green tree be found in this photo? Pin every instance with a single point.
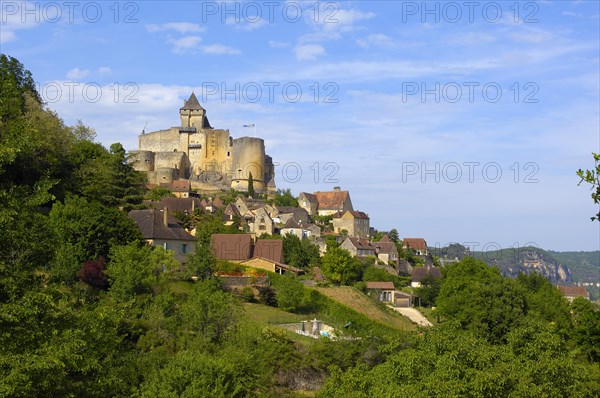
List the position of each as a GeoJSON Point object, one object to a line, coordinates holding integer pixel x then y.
{"type": "Point", "coordinates": [592, 177]}
{"type": "Point", "coordinates": [586, 332]}
{"type": "Point", "coordinates": [134, 269]}
{"type": "Point", "coordinates": [429, 290]}
{"type": "Point", "coordinates": [157, 194]}
{"type": "Point", "coordinates": [340, 267]}
{"type": "Point", "coordinates": [203, 262]}
{"type": "Point", "coordinates": [250, 186]}
{"type": "Point", "coordinates": [284, 197]}
{"type": "Point", "coordinates": [210, 313]}
{"type": "Point", "coordinates": [83, 230]}
{"type": "Point", "coordinates": [480, 299]}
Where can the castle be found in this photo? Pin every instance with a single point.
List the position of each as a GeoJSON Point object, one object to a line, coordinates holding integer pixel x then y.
{"type": "Point", "coordinates": [209, 158]}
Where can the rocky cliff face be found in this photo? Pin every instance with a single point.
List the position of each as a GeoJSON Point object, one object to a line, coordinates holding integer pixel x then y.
{"type": "Point", "coordinates": [511, 262]}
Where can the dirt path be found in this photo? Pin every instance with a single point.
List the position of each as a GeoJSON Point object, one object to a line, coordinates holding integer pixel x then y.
{"type": "Point", "coordinates": [414, 315]}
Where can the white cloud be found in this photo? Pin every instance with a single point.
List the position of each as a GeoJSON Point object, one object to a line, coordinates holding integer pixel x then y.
{"type": "Point", "coordinates": [77, 74]}
{"type": "Point", "coordinates": [13, 19]}
{"type": "Point", "coordinates": [278, 44]}
{"type": "Point", "coordinates": [307, 52]}
{"type": "Point", "coordinates": [104, 70]}
{"type": "Point", "coordinates": [185, 44]}
{"type": "Point", "coordinates": [180, 27]}
{"type": "Point", "coordinates": [219, 49]}
{"type": "Point", "coordinates": [378, 39]}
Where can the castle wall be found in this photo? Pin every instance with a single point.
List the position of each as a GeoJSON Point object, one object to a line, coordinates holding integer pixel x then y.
{"type": "Point", "coordinates": [171, 160]}
{"type": "Point", "coordinates": [217, 151]}
{"type": "Point", "coordinates": [162, 140]}
{"type": "Point", "coordinates": [248, 157]}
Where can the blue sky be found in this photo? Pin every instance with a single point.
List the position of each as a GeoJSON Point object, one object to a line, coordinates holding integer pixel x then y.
{"type": "Point", "coordinates": [453, 121]}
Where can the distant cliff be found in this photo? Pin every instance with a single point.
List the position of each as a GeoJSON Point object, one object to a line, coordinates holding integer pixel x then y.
{"type": "Point", "coordinates": [555, 266]}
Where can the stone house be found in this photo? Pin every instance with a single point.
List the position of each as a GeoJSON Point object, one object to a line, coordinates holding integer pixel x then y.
{"type": "Point", "coordinates": [308, 202]}
{"type": "Point", "coordinates": [284, 213]}
{"type": "Point", "coordinates": [381, 291]}
{"type": "Point", "coordinates": [419, 273]}
{"type": "Point", "coordinates": [354, 222]}
{"type": "Point", "coordinates": [292, 228]}
{"type": "Point", "coordinates": [572, 292]}
{"type": "Point", "coordinates": [261, 223]}
{"type": "Point", "coordinates": [159, 229]}
{"type": "Point", "coordinates": [386, 251]}
{"type": "Point", "coordinates": [358, 247]}
{"type": "Point", "coordinates": [325, 203]}
{"type": "Point", "coordinates": [417, 245]}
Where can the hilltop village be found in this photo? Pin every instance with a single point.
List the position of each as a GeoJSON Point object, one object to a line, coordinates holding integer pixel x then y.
{"type": "Point", "coordinates": [201, 175]}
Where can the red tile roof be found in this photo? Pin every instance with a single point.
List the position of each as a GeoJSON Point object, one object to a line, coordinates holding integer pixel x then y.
{"type": "Point", "coordinates": [232, 246]}
{"type": "Point", "coordinates": [381, 285]}
{"type": "Point", "coordinates": [414, 243]}
{"type": "Point", "coordinates": [333, 200]}
{"type": "Point", "coordinates": [574, 291]}
{"type": "Point", "coordinates": [361, 243]}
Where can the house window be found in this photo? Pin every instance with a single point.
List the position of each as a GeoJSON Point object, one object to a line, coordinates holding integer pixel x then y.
{"type": "Point", "coordinates": [183, 248]}
{"type": "Point", "coordinates": [166, 246]}
{"type": "Point", "coordinates": [262, 227]}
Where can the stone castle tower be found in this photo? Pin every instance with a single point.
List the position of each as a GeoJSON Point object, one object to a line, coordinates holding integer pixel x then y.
{"type": "Point", "coordinates": [210, 158]}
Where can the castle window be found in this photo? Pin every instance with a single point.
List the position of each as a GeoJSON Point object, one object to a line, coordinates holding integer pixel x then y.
{"type": "Point", "coordinates": [175, 150]}
{"type": "Point", "coordinates": [227, 153]}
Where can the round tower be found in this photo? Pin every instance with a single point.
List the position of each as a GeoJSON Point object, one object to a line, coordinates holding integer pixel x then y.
{"type": "Point", "coordinates": [248, 158]}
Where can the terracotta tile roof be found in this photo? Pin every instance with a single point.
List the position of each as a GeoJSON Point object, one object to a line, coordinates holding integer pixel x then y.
{"type": "Point", "coordinates": [381, 285]}
{"type": "Point", "coordinates": [333, 200]}
{"type": "Point", "coordinates": [574, 291]}
{"type": "Point", "coordinates": [181, 185]}
{"type": "Point", "coordinates": [418, 273]}
{"type": "Point", "coordinates": [385, 238]}
{"type": "Point", "coordinates": [151, 224]}
{"type": "Point", "coordinates": [414, 243]}
{"type": "Point", "coordinates": [232, 246]}
{"type": "Point", "coordinates": [270, 249]}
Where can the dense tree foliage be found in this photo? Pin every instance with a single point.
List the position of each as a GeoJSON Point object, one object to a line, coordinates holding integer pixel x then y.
{"type": "Point", "coordinates": [284, 197]}
{"type": "Point", "coordinates": [340, 267]}
{"type": "Point", "coordinates": [301, 253]}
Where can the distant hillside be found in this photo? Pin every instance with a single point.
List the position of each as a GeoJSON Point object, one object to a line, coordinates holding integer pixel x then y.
{"type": "Point", "coordinates": [558, 267]}
{"type": "Point", "coordinates": [585, 266]}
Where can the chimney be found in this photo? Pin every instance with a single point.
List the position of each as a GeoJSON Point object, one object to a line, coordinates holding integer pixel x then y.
{"type": "Point", "coordinates": [336, 189]}
{"type": "Point", "coordinates": [165, 215]}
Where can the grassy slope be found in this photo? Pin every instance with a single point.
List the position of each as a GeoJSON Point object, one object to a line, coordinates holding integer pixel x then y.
{"type": "Point", "coordinates": [354, 299]}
